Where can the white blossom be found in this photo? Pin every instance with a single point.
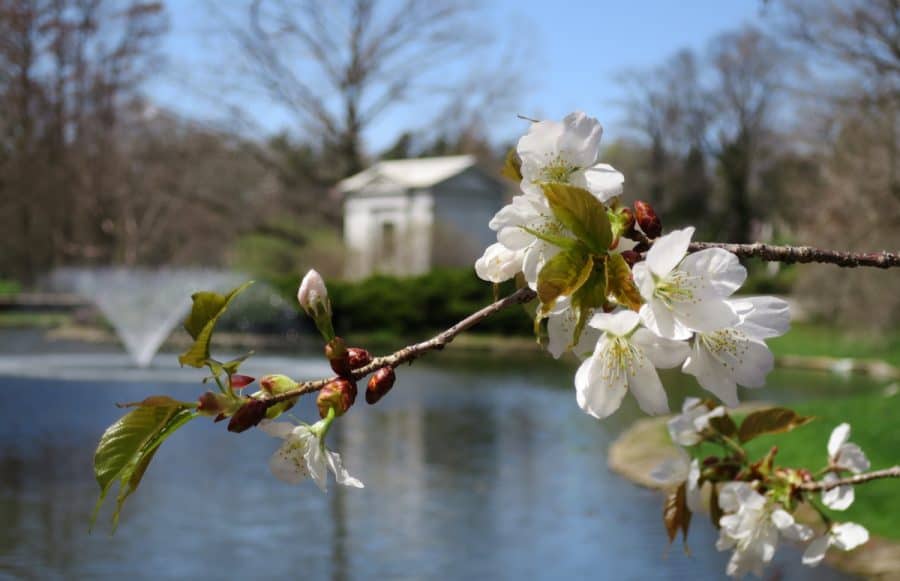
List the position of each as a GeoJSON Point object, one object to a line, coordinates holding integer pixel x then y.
{"type": "Point", "coordinates": [625, 358]}
{"type": "Point", "coordinates": [738, 355]}
{"type": "Point", "coordinates": [751, 527]}
{"type": "Point", "coordinates": [567, 152]}
{"type": "Point", "coordinates": [681, 469]}
{"type": "Point", "coordinates": [845, 536]}
{"type": "Point", "coordinates": [303, 455]}
{"type": "Point", "coordinates": [313, 294]}
{"type": "Point", "coordinates": [498, 263]}
{"type": "Point", "coordinates": [686, 429]}
{"type": "Point", "coordinates": [842, 455]}
{"type": "Point", "coordinates": [686, 293]}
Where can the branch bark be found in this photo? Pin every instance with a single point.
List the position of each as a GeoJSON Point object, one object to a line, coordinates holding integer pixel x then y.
{"type": "Point", "coordinates": [787, 254]}
{"type": "Point", "coordinates": [892, 472]}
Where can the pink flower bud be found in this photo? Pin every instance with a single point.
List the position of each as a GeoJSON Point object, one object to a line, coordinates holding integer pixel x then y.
{"type": "Point", "coordinates": [248, 415]}
{"type": "Point", "coordinates": [339, 395]}
{"type": "Point", "coordinates": [647, 219]}
{"type": "Point", "coordinates": [380, 383]}
{"type": "Point", "coordinates": [313, 294]}
{"type": "Point", "coordinates": [359, 357]}
{"type": "Point", "coordinates": [240, 381]}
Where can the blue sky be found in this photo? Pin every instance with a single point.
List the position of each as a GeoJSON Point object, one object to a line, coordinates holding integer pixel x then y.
{"type": "Point", "coordinates": [576, 50]}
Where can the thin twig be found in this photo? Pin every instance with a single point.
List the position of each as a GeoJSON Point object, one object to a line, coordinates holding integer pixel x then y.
{"type": "Point", "coordinates": [411, 352]}
{"type": "Point", "coordinates": [792, 254]}
{"type": "Point", "coordinates": [787, 254]}
{"type": "Point", "coordinates": [892, 472]}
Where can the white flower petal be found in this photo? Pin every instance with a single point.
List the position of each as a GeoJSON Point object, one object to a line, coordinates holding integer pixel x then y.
{"type": "Point", "coordinates": [711, 375]}
{"type": "Point", "coordinates": [498, 263]}
{"type": "Point", "coordinates": [694, 496]}
{"type": "Point", "coordinates": [657, 317]}
{"type": "Point", "coordinates": [288, 463]}
{"type": "Point", "coordinates": [663, 353]}
{"type": "Point", "coordinates": [668, 250]}
{"type": "Point", "coordinates": [619, 323]}
{"type": "Point", "coordinates": [276, 429]}
{"type": "Point", "coordinates": [851, 457]}
{"type": "Point", "coordinates": [595, 396]}
{"type": "Point", "coordinates": [838, 438]}
{"type": "Point", "coordinates": [839, 497]}
{"type": "Point", "coordinates": [815, 552]}
{"type": "Point", "coordinates": [720, 270]}
{"type": "Point", "coordinates": [643, 280]}
{"type": "Point", "coordinates": [515, 238]}
{"type": "Point", "coordinates": [762, 317]}
{"type": "Point", "coordinates": [785, 523]}
{"type": "Point", "coordinates": [317, 465]}
{"type": "Point", "coordinates": [709, 314]}
{"type": "Point", "coordinates": [602, 180]}
{"type": "Point", "coordinates": [754, 364]}
{"type": "Point", "coordinates": [579, 143]}
{"type": "Point", "coordinates": [560, 329]}
{"type": "Point", "coordinates": [847, 536]}
{"type": "Point", "coordinates": [645, 386]}
{"type": "Point", "coordinates": [340, 473]}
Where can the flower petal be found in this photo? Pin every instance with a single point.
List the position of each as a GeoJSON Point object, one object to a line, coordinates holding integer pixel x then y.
{"type": "Point", "coordinates": [754, 364]}
{"type": "Point", "coordinates": [619, 323]}
{"type": "Point", "coordinates": [276, 429]}
{"type": "Point", "coordinates": [815, 552]}
{"type": "Point", "coordinates": [644, 383]}
{"type": "Point", "coordinates": [721, 271]}
{"type": "Point", "coordinates": [595, 396]}
{"type": "Point", "coordinates": [317, 465]}
{"type": "Point", "coordinates": [711, 374]}
{"type": "Point", "coordinates": [851, 457]}
{"type": "Point", "coordinates": [340, 473]}
{"type": "Point", "coordinates": [663, 353]}
{"type": "Point", "coordinates": [579, 143]}
{"type": "Point", "coordinates": [560, 329]}
{"type": "Point", "coordinates": [839, 497]}
{"type": "Point", "coordinates": [667, 251]}
{"type": "Point", "coordinates": [847, 536]}
{"type": "Point", "coordinates": [498, 263]}
{"type": "Point", "coordinates": [602, 180]}
{"type": "Point", "coordinates": [288, 463]}
{"type": "Point", "coordinates": [657, 317]}
{"type": "Point", "coordinates": [709, 314]}
{"type": "Point", "coordinates": [838, 438]}
{"type": "Point", "coordinates": [762, 317]}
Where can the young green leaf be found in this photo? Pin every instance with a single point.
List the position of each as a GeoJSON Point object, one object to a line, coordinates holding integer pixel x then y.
{"type": "Point", "coordinates": [621, 284]}
{"type": "Point", "coordinates": [127, 446]}
{"type": "Point", "coordinates": [582, 213]}
{"type": "Point", "coordinates": [512, 166]}
{"type": "Point", "coordinates": [770, 421]}
{"type": "Point", "coordinates": [563, 275]}
{"type": "Point", "coordinates": [563, 242]}
{"type": "Point", "coordinates": [591, 295]}
{"type": "Point", "coordinates": [206, 310]}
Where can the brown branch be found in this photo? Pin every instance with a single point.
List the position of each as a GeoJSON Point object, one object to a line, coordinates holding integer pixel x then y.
{"type": "Point", "coordinates": [792, 254]}
{"type": "Point", "coordinates": [411, 352]}
{"type": "Point", "coordinates": [787, 254]}
{"type": "Point", "coordinates": [892, 472]}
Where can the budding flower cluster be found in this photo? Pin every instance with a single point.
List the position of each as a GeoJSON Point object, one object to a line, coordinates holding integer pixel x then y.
{"type": "Point", "coordinates": [313, 298]}
{"type": "Point", "coordinates": [338, 395]}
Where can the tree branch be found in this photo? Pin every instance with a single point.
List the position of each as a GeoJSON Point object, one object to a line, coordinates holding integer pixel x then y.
{"type": "Point", "coordinates": [792, 254]}
{"type": "Point", "coordinates": [787, 254]}
{"type": "Point", "coordinates": [892, 472]}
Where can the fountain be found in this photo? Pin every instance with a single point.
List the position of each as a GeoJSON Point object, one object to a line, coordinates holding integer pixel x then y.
{"type": "Point", "coordinates": [142, 305]}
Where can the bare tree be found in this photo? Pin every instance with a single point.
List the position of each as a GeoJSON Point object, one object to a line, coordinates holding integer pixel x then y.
{"type": "Point", "coordinates": [340, 66]}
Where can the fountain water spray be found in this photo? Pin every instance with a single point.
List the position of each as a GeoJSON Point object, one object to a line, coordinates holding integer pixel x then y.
{"type": "Point", "coordinates": [142, 305]}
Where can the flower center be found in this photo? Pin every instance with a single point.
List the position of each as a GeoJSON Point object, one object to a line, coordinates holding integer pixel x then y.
{"type": "Point", "coordinates": [557, 170]}
{"type": "Point", "coordinates": [727, 346]}
{"type": "Point", "coordinates": [677, 287]}
{"type": "Point", "coordinates": [619, 357]}
{"type": "Point", "coordinates": [293, 452]}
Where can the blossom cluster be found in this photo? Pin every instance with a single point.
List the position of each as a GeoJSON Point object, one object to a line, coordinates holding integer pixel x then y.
{"type": "Point", "coordinates": [669, 309]}
{"type": "Point", "coordinates": [756, 503]}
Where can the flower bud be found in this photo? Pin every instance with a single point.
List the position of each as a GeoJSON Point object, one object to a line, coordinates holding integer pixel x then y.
{"type": "Point", "coordinates": [239, 381]}
{"type": "Point", "coordinates": [631, 257]}
{"type": "Point", "coordinates": [358, 357]}
{"type": "Point", "coordinates": [338, 356]}
{"type": "Point", "coordinates": [211, 403]}
{"type": "Point", "coordinates": [277, 384]}
{"type": "Point", "coordinates": [339, 395]}
{"type": "Point", "coordinates": [380, 383]}
{"type": "Point", "coordinates": [647, 219]}
{"type": "Point", "coordinates": [248, 415]}
{"type": "Point", "coordinates": [313, 298]}
{"type": "Point", "coordinates": [628, 224]}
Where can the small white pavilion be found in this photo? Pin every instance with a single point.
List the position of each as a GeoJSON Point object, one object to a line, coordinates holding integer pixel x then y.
{"type": "Point", "coordinates": [408, 216]}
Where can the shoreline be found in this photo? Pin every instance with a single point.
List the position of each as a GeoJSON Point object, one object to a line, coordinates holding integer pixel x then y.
{"type": "Point", "coordinates": [644, 445]}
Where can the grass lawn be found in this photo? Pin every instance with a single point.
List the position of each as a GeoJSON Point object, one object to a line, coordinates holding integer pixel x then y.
{"type": "Point", "coordinates": [875, 427]}
{"type": "Point", "coordinates": [825, 340]}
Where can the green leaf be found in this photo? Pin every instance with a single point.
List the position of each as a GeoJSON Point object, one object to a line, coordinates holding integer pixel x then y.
{"type": "Point", "coordinates": [591, 295]}
{"type": "Point", "coordinates": [512, 166]}
{"type": "Point", "coordinates": [229, 368]}
{"type": "Point", "coordinates": [155, 401]}
{"type": "Point", "coordinates": [582, 213]}
{"type": "Point", "coordinates": [208, 307]}
{"type": "Point", "coordinates": [621, 284]}
{"type": "Point", "coordinates": [676, 514]}
{"type": "Point", "coordinates": [770, 421]}
{"type": "Point", "coordinates": [563, 242]}
{"type": "Point", "coordinates": [127, 447]}
{"type": "Point", "coordinates": [563, 275]}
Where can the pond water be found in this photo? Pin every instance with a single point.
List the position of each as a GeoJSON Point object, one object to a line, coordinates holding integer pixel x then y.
{"type": "Point", "coordinates": [474, 468]}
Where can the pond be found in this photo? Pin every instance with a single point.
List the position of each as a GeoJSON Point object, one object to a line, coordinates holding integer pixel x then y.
{"type": "Point", "coordinates": [474, 468]}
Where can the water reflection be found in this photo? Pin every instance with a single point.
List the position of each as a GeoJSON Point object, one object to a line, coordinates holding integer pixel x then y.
{"type": "Point", "coordinates": [470, 472]}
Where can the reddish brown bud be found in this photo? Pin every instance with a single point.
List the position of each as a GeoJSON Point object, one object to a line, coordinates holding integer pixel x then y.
{"type": "Point", "coordinates": [211, 403]}
{"type": "Point", "coordinates": [647, 219]}
{"type": "Point", "coordinates": [631, 257]}
{"type": "Point", "coordinates": [248, 415]}
{"type": "Point", "coordinates": [628, 223]}
{"type": "Point", "coordinates": [380, 383]}
{"type": "Point", "coordinates": [710, 460]}
{"type": "Point", "coordinates": [338, 356]}
{"type": "Point", "coordinates": [805, 475]}
{"type": "Point", "coordinates": [338, 394]}
{"type": "Point", "coordinates": [240, 381]}
{"type": "Point", "coordinates": [358, 357]}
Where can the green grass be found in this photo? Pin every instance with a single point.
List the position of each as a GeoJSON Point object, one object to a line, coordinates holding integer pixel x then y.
{"type": "Point", "coordinates": [873, 420]}
{"type": "Point", "coordinates": [823, 340]}
{"type": "Point", "coordinates": [17, 320]}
